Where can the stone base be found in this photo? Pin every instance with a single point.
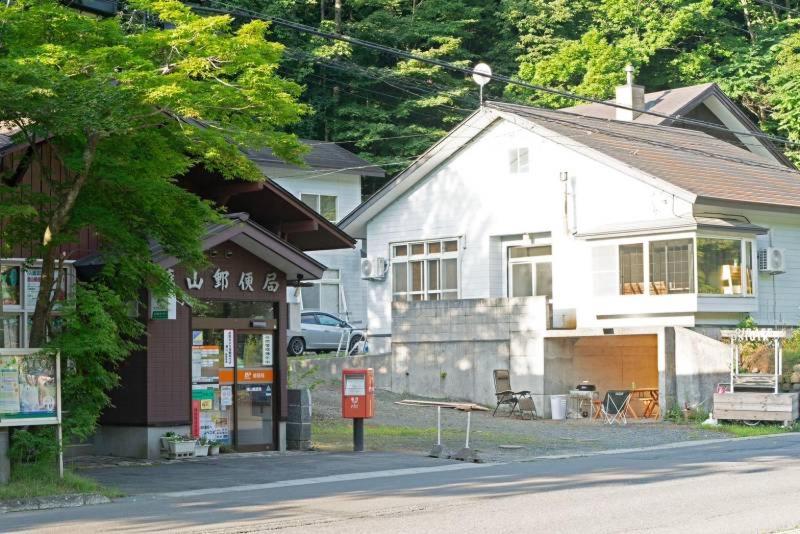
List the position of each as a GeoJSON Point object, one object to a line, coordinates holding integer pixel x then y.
{"type": "Point", "coordinates": [133, 441]}
{"type": "Point", "coordinates": [301, 445]}
{"type": "Point", "coordinates": [467, 455]}
{"type": "Point", "coordinates": [438, 451]}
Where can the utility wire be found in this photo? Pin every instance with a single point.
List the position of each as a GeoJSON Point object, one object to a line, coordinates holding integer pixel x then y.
{"type": "Point", "coordinates": [778, 6]}
{"type": "Point", "coordinates": [246, 13]}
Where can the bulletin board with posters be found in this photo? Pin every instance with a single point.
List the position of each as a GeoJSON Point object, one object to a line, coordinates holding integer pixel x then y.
{"type": "Point", "coordinates": [30, 391]}
{"type": "Point", "coordinates": [30, 388]}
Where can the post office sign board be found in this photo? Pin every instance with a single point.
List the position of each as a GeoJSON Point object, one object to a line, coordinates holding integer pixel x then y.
{"type": "Point", "coordinates": [30, 388]}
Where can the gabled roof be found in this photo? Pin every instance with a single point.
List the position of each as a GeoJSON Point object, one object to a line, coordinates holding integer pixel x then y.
{"type": "Point", "coordinates": [682, 101]}
{"type": "Point", "coordinates": [692, 164]}
{"type": "Point", "coordinates": [322, 155]}
{"type": "Point", "coordinates": [707, 167]}
{"type": "Point", "coordinates": [242, 230]}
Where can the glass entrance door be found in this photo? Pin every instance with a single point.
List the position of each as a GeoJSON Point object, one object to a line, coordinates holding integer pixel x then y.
{"type": "Point", "coordinates": [254, 390]}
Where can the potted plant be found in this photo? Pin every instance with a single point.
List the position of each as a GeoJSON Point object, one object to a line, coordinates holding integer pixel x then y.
{"type": "Point", "coordinates": [165, 440]}
{"type": "Point", "coordinates": [213, 447]}
{"type": "Point", "coordinates": [180, 446]}
{"type": "Point", "coordinates": [201, 447]}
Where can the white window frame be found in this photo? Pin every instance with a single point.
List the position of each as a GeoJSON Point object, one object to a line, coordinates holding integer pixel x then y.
{"type": "Point", "coordinates": [425, 259]}
{"type": "Point", "coordinates": [695, 238]}
{"type": "Point", "coordinates": [514, 156]}
{"type": "Point", "coordinates": [337, 281]}
{"type": "Point", "coordinates": [24, 310]}
{"type": "Point", "coordinates": [742, 254]}
{"type": "Point", "coordinates": [318, 206]}
{"type": "Point", "coordinates": [533, 260]}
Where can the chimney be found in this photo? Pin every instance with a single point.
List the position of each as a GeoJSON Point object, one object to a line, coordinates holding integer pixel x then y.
{"type": "Point", "coordinates": [631, 96]}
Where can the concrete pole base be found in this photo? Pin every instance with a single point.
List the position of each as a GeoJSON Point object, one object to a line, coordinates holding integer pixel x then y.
{"type": "Point", "coordinates": [467, 454]}
{"type": "Point", "coordinates": [438, 451]}
{"type": "Point", "coordinates": [5, 463]}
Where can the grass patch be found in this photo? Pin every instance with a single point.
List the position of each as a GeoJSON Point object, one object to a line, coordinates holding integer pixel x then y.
{"type": "Point", "coordinates": [41, 480]}
{"type": "Point", "coordinates": [744, 431]}
{"type": "Point", "coordinates": [338, 435]}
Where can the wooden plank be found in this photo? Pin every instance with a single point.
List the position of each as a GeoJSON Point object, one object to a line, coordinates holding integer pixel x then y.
{"type": "Point", "coordinates": [752, 415]}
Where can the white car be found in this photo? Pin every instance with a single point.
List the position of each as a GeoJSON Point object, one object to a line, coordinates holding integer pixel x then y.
{"type": "Point", "coordinates": [320, 331]}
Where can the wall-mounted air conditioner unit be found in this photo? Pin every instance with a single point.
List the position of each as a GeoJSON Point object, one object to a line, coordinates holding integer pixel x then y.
{"type": "Point", "coordinates": [373, 268]}
{"type": "Point", "coordinates": [772, 260]}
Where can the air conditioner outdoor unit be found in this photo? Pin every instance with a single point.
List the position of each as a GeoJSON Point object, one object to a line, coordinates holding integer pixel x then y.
{"type": "Point", "coordinates": [772, 260]}
{"type": "Point", "coordinates": [373, 268]}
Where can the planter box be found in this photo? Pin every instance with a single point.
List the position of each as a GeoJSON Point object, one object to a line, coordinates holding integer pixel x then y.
{"type": "Point", "coordinates": [745, 406]}
{"type": "Point", "coordinates": [181, 449]}
{"type": "Point", "coordinates": [201, 450]}
{"type": "Point", "coordinates": [213, 450]}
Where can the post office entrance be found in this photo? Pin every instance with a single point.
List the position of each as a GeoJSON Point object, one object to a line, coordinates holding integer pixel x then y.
{"type": "Point", "coordinates": [233, 366]}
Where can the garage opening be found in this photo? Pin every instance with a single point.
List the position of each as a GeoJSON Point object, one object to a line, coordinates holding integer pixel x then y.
{"type": "Point", "coordinates": [616, 362]}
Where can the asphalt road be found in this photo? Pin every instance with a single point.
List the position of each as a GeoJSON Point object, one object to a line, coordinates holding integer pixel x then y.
{"type": "Point", "coordinates": [732, 486]}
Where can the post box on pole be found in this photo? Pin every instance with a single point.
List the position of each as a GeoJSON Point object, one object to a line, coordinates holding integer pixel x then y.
{"type": "Point", "coordinates": [358, 401]}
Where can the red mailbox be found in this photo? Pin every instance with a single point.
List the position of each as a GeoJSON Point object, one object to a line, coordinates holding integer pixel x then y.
{"type": "Point", "coordinates": [358, 393]}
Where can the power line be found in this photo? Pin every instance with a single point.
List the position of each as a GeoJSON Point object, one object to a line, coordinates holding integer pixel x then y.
{"type": "Point", "coordinates": [501, 78]}
{"type": "Point", "coordinates": [778, 6]}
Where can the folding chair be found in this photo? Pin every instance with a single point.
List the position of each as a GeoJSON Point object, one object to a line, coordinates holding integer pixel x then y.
{"type": "Point", "coordinates": [505, 395]}
{"type": "Point", "coordinates": [614, 406]}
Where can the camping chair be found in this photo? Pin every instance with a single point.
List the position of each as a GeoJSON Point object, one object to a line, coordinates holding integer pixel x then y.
{"type": "Point", "coordinates": [614, 406]}
{"type": "Point", "coordinates": [505, 395]}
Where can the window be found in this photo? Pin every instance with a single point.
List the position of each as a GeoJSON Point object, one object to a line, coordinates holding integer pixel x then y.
{"type": "Point", "coordinates": [308, 318]}
{"type": "Point", "coordinates": [530, 271]}
{"type": "Point", "coordinates": [518, 160]}
{"type": "Point", "coordinates": [671, 267]}
{"type": "Point", "coordinates": [724, 266]}
{"type": "Point", "coordinates": [425, 270]}
{"type": "Point", "coordinates": [325, 205]}
{"type": "Point", "coordinates": [19, 289]}
{"type": "Point", "coordinates": [327, 320]}
{"type": "Point", "coordinates": [323, 295]}
{"type": "Point", "coordinates": [631, 269]}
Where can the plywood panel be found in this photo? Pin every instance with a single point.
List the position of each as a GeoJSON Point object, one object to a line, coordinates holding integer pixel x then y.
{"type": "Point", "coordinates": [756, 406]}
{"type": "Point", "coordinates": [617, 362]}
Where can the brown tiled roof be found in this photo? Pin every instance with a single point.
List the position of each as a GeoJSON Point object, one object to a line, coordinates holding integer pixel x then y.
{"type": "Point", "coordinates": [690, 160]}
{"type": "Point", "coordinates": [667, 102]}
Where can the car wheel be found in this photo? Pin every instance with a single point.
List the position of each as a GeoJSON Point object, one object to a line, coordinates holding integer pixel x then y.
{"type": "Point", "coordinates": [353, 341]}
{"type": "Point", "coordinates": [297, 346]}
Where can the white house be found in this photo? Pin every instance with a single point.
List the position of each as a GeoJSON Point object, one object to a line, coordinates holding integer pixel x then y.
{"type": "Point", "coordinates": [611, 224]}
{"type": "Point", "coordinates": [331, 183]}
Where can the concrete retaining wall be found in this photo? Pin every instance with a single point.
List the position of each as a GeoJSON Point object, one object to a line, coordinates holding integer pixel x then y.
{"type": "Point", "coordinates": [331, 368]}
{"type": "Point", "coordinates": [450, 348]}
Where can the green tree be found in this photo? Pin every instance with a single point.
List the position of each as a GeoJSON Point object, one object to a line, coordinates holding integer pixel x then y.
{"type": "Point", "coordinates": [126, 105]}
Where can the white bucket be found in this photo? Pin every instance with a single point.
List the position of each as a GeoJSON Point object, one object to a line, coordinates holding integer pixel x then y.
{"type": "Point", "coordinates": [558, 406]}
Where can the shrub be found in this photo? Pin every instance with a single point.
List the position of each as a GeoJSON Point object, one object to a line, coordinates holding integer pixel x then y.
{"type": "Point", "coordinates": [36, 445]}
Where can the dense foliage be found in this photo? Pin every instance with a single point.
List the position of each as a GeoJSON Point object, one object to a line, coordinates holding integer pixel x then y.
{"type": "Point", "coordinates": [126, 104]}
{"type": "Point", "coordinates": [392, 109]}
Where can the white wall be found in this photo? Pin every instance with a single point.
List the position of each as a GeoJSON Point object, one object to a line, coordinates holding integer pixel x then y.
{"type": "Point", "coordinates": [474, 196]}
{"type": "Point", "coordinates": [347, 189]}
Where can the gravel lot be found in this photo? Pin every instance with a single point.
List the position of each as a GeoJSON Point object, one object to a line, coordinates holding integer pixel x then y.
{"type": "Point", "coordinates": [413, 429]}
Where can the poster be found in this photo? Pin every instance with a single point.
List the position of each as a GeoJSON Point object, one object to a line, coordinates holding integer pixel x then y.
{"type": "Point", "coordinates": [226, 396]}
{"type": "Point", "coordinates": [197, 338]}
{"type": "Point", "coordinates": [33, 281]}
{"type": "Point", "coordinates": [228, 348]}
{"type": "Point", "coordinates": [9, 286]}
{"type": "Point", "coordinates": [9, 385]}
{"type": "Point", "coordinates": [28, 386]}
{"type": "Point", "coordinates": [266, 350]}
